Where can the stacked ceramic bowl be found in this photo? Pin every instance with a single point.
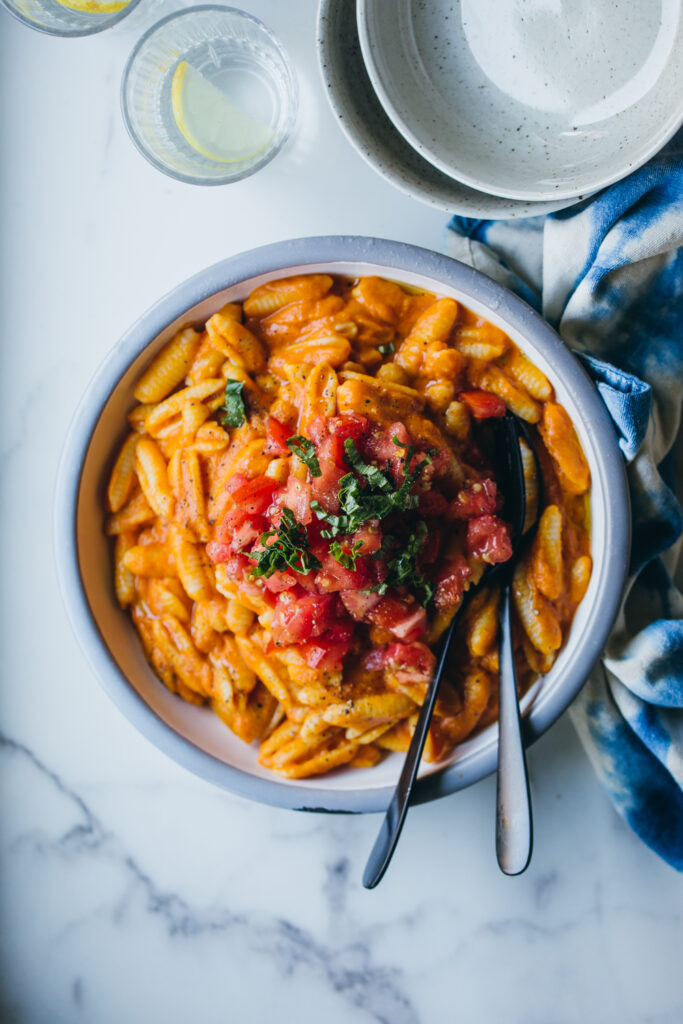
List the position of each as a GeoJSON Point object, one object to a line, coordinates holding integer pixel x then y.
{"type": "Point", "coordinates": [504, 108]}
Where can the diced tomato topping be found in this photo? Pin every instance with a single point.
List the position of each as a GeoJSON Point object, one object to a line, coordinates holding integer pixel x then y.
{"type": "Point", "coordinates": [406, 620]}
{"type": "Point", "coordinates": [413, 663]}
{"type": "Point", "coordinates": [231, 520]}
{"type": "Point", "coordinates": [249, 530]}
{"type": "Point", "coordinates": [450, 582]}
{"type": "Point", "coordinates": [325, 488]}
{"type": "Point", "coordinates": [255, 495]}
{"type": "Point", "coordinates": [276, 436]}
{"type": "Point", "coordinates": [359, 602]}
{"type": "Point", "coordinates": [477, 499]}
{"type": "Point", "coordinates": [342, 427]}
{"type": "Point", "coordinates": [333, 576]}
{"type": "Point", "coordinates": [482, 404]}
{"type": "Point", "coordinates": [381, 447]}
{"type": "Point", "coordinates": [279, 581]}
{"type": "Point", "coordinates": [297, 497]}
{"type": "Point", "coordinates": [432, 503]}
{"type": "Point", "coordinates": [369, 536]}
{"type": "Point", "coordinates": [218, 551]}
{"type": "Point", "coordinates": [488, 538]}
{"type": "Point", "coordinates": [325, 653]}
{"type": "Point", "coordinates": [299, 617]}
{"type": "Point", "coordinates": [236, 481]}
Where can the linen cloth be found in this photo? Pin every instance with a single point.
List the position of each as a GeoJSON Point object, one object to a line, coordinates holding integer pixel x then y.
{"type": "Point", "coordinates": [607, 274]}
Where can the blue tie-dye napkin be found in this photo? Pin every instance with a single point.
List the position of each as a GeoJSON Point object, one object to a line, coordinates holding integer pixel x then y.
{"type": "Point", "coordinates": [608, 275]}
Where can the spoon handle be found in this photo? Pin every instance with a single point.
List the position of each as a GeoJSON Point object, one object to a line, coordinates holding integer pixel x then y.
{"type": "Point", "coordinates": [514, 831]}
{"type": "Point", "coordinates": [390, 830]}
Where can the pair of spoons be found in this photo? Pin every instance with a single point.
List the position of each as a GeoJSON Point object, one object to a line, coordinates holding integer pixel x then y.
{"type": "Point", "coordinates": [513, 802]}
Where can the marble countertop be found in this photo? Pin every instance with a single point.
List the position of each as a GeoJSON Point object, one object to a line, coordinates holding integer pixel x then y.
{"type": "Point", "coordinates": [130, 890]}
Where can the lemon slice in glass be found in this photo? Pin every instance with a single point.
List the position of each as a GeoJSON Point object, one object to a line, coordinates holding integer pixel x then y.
{"type": "Point", "coordinates": [210, 122]}
{"type": "Point", "coordinates": [94, 6]}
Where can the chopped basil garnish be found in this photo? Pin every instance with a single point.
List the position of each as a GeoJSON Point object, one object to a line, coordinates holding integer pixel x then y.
{"type": "Point", "coordinates": [305, 451]}
{"type": "Point", "coordinates": [404, 571]}
{"type": "Point", "coordinates": [233, 412]}
{"type": "Point", "coordinates": [345, 557]}
{"type": "Point", "coordinates": [289, 550]}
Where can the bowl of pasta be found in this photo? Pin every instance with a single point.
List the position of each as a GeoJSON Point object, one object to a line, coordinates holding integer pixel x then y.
{"type": "Point", "coordinates": [277, 492]}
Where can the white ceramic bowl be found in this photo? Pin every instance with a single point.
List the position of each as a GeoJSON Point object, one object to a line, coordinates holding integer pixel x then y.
{"type": "Point", "coordinates": [532, 100]}
{"type": "Point", "coordinates": [362, 118]}
{"type": "Point", "coordinates": [194, 736]}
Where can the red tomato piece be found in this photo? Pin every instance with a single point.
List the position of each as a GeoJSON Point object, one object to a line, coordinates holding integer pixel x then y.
{"type": "Point", "coordinates": [231, 520]}
{"type": "Point", "coordinates": [325, 653]}
{"type": "Point", "coordinates": [477, 499]}
{"type": "Point", "coordinates": [249, 530]}
{"type": "Point", "coordinates": [406, 620]}
{"type": "Point", "coordinates": [235, 481]}
{"type": "Point", "coordinates": [413, 663]}
{"type": "Point", "coordinates": [333, 576]}
{"type": "Point", "coordinates": [369, 535]}
{"type": "Point", "coordinates": [359, 602]}
{"type": "Point", "coordinates": [325, 488]}
{"type": "Point", "coordinates": [217, 551]}
{"type": "Point", "coordinates": [482, 404]}
{"type": "Point", "coordinates": [297, 497]}
{"type": "Point", "coordinates": [279, 581]}
{"type": "Point", "coordinates": [431, 545]}
{"type": "Point", "coordinates": [450, 582]}
{"type": "Point", "coordinates": [255, 495]}
{"type": "Point", "coordinates": [488, 538]}
{"type": "Point", "coordinates": [299, 617]}
{"type": "Point", "coordinates": [276, 436]}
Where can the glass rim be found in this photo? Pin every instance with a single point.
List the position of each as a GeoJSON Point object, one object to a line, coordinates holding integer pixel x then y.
{"type": "Point", "coordinates": [292, 97]}
{"type": "Point", "coordinates": [74, 33]}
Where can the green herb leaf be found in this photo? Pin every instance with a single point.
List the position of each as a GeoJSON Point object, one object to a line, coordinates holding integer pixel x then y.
{"type": "Point", "coordinates": [374, 476]}
{"type": "Point", "coordinates": [233, 411]}
{"type": "Point", "coordinates": [289, 550]}
{"type": "Point", "coordinates": [386, 350]}
{"type": "Point", "coordinates": [305, 451]}
{"type": "Point", "coordinates": [404, 570]}
{"type": "Point", "coordinates": [344, 556]}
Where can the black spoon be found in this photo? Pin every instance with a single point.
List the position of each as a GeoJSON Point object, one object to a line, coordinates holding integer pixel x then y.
{"type": "Point", "coordinates": [512, 784]}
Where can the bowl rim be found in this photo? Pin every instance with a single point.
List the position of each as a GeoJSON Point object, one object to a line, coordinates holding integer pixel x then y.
{"type": "Point", "coordinates": [372, 57]}
{"type": "Point", "coordinates": [271, 259]}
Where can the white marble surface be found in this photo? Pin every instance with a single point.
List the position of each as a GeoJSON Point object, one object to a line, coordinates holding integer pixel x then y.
{"type": "Point", "coordinates": [131, 891]}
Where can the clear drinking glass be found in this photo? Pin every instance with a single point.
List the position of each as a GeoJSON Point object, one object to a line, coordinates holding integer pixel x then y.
{"type": "Point", "coordinates": [70, 17]}
{"type": "Point", "coordinates": [209, 95]}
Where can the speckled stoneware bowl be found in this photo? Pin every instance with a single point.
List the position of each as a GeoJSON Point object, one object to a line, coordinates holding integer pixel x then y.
{"type": "Point", "coordinates": [363, 120]}
{"type": "Point", "coordinates": [532, 100]}
{"type": "Point", "coordinates": [194, 736]}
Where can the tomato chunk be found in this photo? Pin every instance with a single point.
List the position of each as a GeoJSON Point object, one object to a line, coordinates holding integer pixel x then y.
{"type": "Point", "coordinates": [359, 602]}
{"type": "Point", "coordinates": [410, 663]}
{"type": "Point", "coordinates": [450, 583]}
{"type": "Point", "coordinates": [255, 495]}
{"type": "Point", "coordinates": [299, 617]}
{"type": "Point", "coordinates": [276, 436]}
{"type": "Point", "coordinates": [324, 653]}
{"type": "Point", "coordinates": [488, 538]}
{"type": "Point", "coordinates": [482, 404]}
{"type": "Point", "coordinates": [297, 497]}
{"type": "Point", "coordinates": [476, 499]}
{"type": "Point", "coordinates": [406, 620]}
{"type": "Point", "coordinates": [333, 576]}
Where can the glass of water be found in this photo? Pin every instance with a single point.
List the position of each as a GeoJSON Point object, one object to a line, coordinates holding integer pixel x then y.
{"type": "Point", "coordinates": [209, 95]}
{"type": "Point", "coordinates": [70, 17]}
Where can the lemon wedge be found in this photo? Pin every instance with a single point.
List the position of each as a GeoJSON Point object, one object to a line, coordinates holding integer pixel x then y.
{"type": "Point", "coordinates": [94, 6]}
{"type": "Point", "coordinates": [210, 122]}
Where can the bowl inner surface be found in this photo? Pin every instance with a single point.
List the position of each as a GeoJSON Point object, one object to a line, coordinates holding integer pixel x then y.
{"type": "Point", "coordinates": [199, 725]}
{"type": "Point", "coordinates": [529, 98]}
